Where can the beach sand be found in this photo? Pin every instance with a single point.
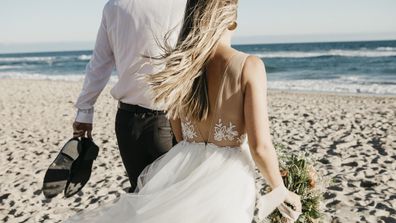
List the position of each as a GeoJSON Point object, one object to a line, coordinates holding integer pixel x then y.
{"type": "Point", "coordinates": [352, 137]}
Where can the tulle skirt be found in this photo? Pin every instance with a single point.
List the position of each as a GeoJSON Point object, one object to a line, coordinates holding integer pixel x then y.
{"type": "Point", "coordinates": [194, 183]}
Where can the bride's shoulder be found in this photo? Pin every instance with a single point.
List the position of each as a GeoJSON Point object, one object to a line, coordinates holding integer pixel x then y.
{"type": "Point", "coordinates": [253, 70]}
{"type": "Point", "coordinates": [251, 62]}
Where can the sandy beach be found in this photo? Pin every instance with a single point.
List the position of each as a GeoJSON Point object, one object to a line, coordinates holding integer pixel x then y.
{"type": "Point", "coordinates": [352, 137]}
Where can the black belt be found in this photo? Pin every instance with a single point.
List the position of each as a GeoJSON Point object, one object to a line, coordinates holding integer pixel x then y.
{"type": "Point", "coordinates": [138, 109]}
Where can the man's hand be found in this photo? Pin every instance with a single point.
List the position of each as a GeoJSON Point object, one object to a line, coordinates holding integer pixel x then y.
{"type": "Point", "coordinates": [82, 130]}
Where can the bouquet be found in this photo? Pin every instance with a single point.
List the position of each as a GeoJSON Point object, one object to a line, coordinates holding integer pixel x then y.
{"type": "Point", "coordinates": [300, 177]}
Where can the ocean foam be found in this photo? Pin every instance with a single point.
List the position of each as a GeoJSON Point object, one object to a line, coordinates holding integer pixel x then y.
{"type": "Point", "coordinates": [6, 67]}
{"type": "Point", "coordinates": [26, 59]}
{"type": "Point", "coordinates": [339, 86]}
{"type": "Point", "coordinates": [85, 57]}
{"type": "Point", "coordinates": [48, 59]}
{"type": "Point", "coordinates": [33, 76]}
{"type": "Point", "coordinates": [379, 52]}
{"type": "Point", "coordinates": [386, 48]}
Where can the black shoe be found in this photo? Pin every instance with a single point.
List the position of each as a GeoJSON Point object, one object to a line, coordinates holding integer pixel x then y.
{"type": "Point", "coordinates": [58, 172]}
{"type": "Point", "coordinates": [82, 167]}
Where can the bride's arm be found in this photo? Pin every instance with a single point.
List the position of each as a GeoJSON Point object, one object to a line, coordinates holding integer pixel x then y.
{"type": "Point", "coordinates": [263, 152]}
{"type": "Point", "coordinates": [257, 123]}
{"type": "Point", "coordinates": [176, 129]}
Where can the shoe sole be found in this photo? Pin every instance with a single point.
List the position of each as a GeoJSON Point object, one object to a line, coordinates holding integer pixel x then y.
{"type": "Point", "coordinates": [82, 168]}
{"type": "Point", "coordinates": [58, 172]}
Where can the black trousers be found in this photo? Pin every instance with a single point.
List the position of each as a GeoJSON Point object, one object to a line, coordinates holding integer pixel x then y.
{"type": "Point", "coordinates": [143, 135]}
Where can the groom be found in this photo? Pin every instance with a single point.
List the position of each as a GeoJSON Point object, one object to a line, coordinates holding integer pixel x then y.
{"type": "Point", "coordinates": [129, 30]}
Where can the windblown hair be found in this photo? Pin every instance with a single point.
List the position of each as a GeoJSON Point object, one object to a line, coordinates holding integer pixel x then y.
{"type": "Point", "coordinates": [181, 87]}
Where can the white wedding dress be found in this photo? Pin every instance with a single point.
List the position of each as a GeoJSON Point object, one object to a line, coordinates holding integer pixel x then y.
{"type": "Point", "coordinates": [198, 182]}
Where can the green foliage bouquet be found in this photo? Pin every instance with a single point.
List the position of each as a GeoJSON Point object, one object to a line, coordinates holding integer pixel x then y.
{"type": "Point", "coordinates": [300, 177]}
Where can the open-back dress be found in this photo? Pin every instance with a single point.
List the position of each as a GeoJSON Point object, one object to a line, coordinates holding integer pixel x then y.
{"type": "Point", "coordinates": [209, 177]}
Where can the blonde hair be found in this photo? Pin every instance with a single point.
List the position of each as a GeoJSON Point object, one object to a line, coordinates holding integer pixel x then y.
{"type": "Point", "coordinates": [181, 88]}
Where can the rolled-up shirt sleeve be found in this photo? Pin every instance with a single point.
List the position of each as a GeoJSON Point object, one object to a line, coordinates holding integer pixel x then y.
{"type": "Point", "coordinates": [98, 72]}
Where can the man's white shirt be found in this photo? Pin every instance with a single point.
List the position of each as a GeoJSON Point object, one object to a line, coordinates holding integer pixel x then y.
{"type": "Point", "coordinates": [127, 33]}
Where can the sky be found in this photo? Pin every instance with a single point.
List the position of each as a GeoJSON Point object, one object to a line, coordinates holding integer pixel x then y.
{"type": "Point", "coordinates": [72, 24]}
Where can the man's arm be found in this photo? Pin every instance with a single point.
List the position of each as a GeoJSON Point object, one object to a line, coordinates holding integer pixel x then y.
{"type": "Point", "coordinates": [98, 72]}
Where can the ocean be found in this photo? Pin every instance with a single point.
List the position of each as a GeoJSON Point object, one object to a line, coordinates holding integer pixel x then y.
{"type": "Point", "coordinates": [346, 67]}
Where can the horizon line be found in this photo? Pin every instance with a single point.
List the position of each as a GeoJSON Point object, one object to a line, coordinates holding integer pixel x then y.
{"type": "Point", "coordinates": [233, 44]}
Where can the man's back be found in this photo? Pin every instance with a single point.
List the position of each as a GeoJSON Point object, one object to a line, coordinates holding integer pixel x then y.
{"type": "Point", "coordinates": [128, 32]}
{"type": "Point", "coordinates": [132, 27]}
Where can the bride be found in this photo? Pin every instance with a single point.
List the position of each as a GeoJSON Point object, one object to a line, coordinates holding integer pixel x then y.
{"type": "Point", "coordinates": [216, 98]}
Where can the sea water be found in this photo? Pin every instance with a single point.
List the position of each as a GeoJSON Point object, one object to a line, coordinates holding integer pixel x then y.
{"type": "Point", "coordinates": [348, 67]}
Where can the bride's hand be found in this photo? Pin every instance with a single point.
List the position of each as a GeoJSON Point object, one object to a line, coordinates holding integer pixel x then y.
{"type": "Point", "coordinates": [291, 208]}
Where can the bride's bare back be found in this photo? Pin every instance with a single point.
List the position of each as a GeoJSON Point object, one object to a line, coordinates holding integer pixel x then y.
{"type": "Point", "coordinates": [225, 123]}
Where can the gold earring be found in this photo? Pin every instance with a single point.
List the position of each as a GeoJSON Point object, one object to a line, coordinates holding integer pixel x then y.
{"type": "Point", "coordinates": [233, 26]}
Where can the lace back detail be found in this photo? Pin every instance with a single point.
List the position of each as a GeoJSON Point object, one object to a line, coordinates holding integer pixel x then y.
{"type": "Point", "coordinates": [188, 131]}
{"type": "Point", "coordinates": [223, 133]}
{"type": "Point", "coordinates": [227, 132]}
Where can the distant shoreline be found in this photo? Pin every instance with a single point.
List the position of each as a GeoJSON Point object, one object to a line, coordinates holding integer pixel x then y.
{"type": "Point", "coordinates": [270, 90]}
